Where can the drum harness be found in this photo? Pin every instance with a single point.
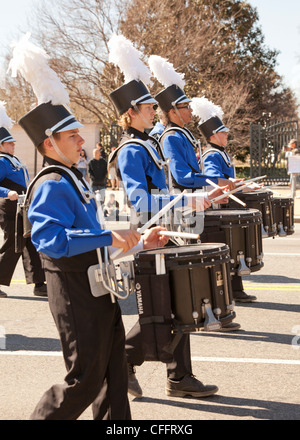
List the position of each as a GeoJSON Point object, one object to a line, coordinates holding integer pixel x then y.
{"type": "Point", "coordinates": [223, 154]}
{"type": "Point", "coordinates": [195, 143]}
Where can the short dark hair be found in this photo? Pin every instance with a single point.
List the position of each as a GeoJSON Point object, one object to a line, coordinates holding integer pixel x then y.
{"type": "Point", "coordinates": [40, 147]}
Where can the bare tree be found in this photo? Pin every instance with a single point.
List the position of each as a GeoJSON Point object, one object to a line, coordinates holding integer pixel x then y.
{"type": "Point", "coordinates": [215, 43]}
{"type": "Point", "coordinates": [75, 35]}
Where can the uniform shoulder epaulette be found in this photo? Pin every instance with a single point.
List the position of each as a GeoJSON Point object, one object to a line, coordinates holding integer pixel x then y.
{"type": "Point", "coordinates": [144, 144]}
{"type": "Point", "coordinates": [59, 170]}
{"type": "Point", "coordinates": [222, 154]}
{"type": "Point", "coordinates": [184, 131]}
{"type": "Point", "coordinates": [12, 159]}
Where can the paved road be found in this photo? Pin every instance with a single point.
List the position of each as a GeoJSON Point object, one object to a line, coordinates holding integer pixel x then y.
{"type": "Point", "coordinates": [256, 368]}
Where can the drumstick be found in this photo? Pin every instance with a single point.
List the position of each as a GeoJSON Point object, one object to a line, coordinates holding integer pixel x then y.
{"type": "Point", "coordinates": [250, 180]}
{"type": "Point", "coordinates": [231, 196]}
{"type": "Point", "coordinates": [227, 194]}
{"type": "Point", "coordinates": [179, 234]}
{"type": "Point", "coordinates": [156, 217]}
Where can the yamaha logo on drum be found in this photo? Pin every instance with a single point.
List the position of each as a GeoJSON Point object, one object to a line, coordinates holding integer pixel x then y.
{"type": "Point", "coordinates": [139, 299]}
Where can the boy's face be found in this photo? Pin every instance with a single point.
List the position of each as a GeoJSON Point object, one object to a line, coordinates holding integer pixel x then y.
{"type": "Point", "coordinates": [70, 144]}
{"type": "Point", "coordinates": [8, 147]}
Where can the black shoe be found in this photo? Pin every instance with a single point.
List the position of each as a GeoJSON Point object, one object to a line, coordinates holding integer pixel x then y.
{"type": "Point", "coordinates": [231, 327]}
{"type": "Point", "coordinates": [40, 289]}
{"type": "Point", "coordinates": [189, 386]}
{"type": "Point", "coordinates": [133, 385]}
{"type": "Point", "coordinates": [243, 297]}
{"type": "Point", "coordinates": [3, 294]}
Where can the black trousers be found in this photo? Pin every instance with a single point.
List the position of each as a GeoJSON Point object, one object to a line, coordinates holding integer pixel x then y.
{"type": "Point", "coordinates": [9, 258]}
{"type": "Point", "coordinates": [181, 364]}
{"type": "Point", "coordinates": [237, 284]}
{"type": "Point", "coordinates": [93, 339]}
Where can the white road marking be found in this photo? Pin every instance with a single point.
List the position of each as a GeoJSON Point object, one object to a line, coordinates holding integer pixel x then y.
{"type": "Point", "coordinates": [194, 358]}
{"type": "Point", "coordinates": [31, 353]}
{"type": "Point", "coordinates": [246, 360]}
{"type": "Point", "coordinates": [279, 254]}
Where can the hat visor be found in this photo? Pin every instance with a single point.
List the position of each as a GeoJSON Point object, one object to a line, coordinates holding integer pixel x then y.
{"type": "Point", "coordinates": [149, 100]}
{"type": "Point", "coordinates": [9, 139]}
{"type": "Point", "coordinates": [71, 126]}
{"type": "Point", "coordinates": [186, 99]}
{"type": "Point", "coordinates": [220, 129]}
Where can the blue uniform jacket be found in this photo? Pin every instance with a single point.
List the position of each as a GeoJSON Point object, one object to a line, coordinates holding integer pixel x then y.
{"type": "Point", "coordinates": [184, 165]}
{"type": "Point", "coordinates": [137, 169]}
{"type": "Point", "coordinates": [157, 130]}
{"type": "Point", "coordinates": [215, 165]}
{"type": "Point", "coordinates": [8, 171]}
{"type": "Point", "coordinates": [62, 225]}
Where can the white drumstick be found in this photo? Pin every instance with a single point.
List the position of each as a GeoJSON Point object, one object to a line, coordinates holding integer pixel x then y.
{"type": "Point", "coordinates": [227, 194]}
{"type": "Point", "coordinates": [231, 196]}
{"type": "Point", "coordinates": [154, 219]}
{"type": "Point", "coordinates": [179, 234]}
{"type": "Point", "coordinates": [250, 180]}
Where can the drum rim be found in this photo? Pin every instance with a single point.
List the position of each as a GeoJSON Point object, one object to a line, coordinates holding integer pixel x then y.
{"type": "Point", "coordinates": [233, 214]}
{"type": "Point", "coordinates": [214, 247]}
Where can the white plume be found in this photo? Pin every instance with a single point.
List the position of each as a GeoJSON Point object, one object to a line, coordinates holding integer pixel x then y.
{"type": "Point", "coordinates": [5, 120]}
{"type": "Point", "coordinates": [32, 63]}
{"type": "Point", "coordinates": [165, 72]}
{"type": "Point", "coordinates": [205, 109]}
{"type": "Point", "coordinates": [123, 54]}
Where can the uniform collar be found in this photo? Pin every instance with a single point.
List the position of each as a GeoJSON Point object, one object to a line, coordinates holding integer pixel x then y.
{"type": "Point", "coordinates": [134, 133]}
{"type": "Point", "coordinates": [217, 146]}
{"type": "Point", "coordinates": [50, 161]}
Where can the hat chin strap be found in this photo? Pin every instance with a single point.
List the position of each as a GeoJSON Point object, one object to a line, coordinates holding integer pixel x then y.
{"type": "Point", "coordinates": [179, 116]}
{"type": "Point", "coordinates": [141, 115]}
{"type": "Point", "coordinates": [57, 150]}
{"type": "Point", "coordinates": [220, 143]}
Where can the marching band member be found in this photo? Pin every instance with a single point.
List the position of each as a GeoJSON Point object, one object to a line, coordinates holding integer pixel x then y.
{"type": "Point", "coordinates": [66, 231]}
{"type": "Point", "coordinates": [14, 180]}
{"type": "Point", "coordinates": [177, 141]}
{"type": "Point", "coordinates": [137, 163]}
{"type": "Point", "coordinates": [218, 163]}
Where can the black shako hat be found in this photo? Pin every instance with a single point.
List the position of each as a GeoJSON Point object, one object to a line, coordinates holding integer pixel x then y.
{"type": "Point", "coordinates": [47, 119]}
{"type": "Point", "coordinates": [130, 94]}
{"type": "Point", "coordinates": [5, 136]}
{"type": "Point", "coordinates": [171, 97]}
{"type": "Point", "coordinates": [212, 126]}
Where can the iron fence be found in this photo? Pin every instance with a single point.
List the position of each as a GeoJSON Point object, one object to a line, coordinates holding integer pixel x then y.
{"type": "Point", "coordinates": [268, 147]}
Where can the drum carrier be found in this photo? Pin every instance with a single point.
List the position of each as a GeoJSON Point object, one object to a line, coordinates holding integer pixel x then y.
{"type": "Point", "coordinates": [241, 230]}
{"type": "Point", "coordinates": [181, 290]}
{"type": "Point", "coordinates": [263, 201]}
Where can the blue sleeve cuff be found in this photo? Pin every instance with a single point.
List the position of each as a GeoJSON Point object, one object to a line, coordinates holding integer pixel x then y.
{"type": "Point", "coordinates": [85, 240]}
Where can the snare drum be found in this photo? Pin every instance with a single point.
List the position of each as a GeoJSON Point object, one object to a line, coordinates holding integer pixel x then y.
{"type": "Point", "coordinates": [242, 232]}
{"type": "Point", "coordinates": [263, 201]}
{"type": "Point", "coordinates": [283, 209]}
{"type": "Point", "coordinates": [196, 290]}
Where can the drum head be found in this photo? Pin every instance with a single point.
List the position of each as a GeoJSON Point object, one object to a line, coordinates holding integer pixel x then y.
{"type": "Point", "coordinates": [191, 249]}
{"type": "Point", "coordinates": [283, 201]}
{"type": "Point", "coordinates": [233, 214]}
{"type": "Point", "coordinates": [258, 195]}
